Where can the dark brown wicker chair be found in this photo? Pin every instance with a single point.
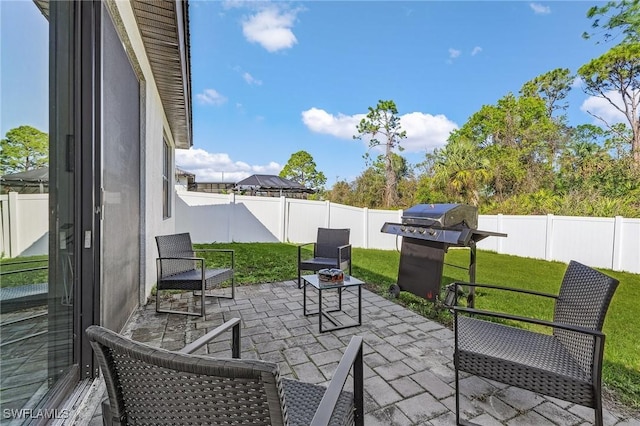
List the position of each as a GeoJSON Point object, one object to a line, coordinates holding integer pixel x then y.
{"type": "Point", "coordinates": [566, 364]}
{"type": "Point", "coordinates": [331, 250]}
{"type": "Point", "coordinates": [151, 386]}
{"type": "Point", "coordinates": [179, 269]}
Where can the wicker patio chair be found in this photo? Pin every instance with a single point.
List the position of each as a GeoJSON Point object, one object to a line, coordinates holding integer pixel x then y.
{"type": "Point", "coordinates": [566, 364]}
{"type": "Point", "coordinates": [179, 269]}
{"type": "Point", "coordinates": [152, 386]}
{"type": "Point", "coordinates": [331, 250]}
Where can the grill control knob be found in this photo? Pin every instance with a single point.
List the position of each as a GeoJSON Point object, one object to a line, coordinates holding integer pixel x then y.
{"type": "Point", "coordinates": [422, 231]}
{"type": "Point", "coordinates": [432, 232]}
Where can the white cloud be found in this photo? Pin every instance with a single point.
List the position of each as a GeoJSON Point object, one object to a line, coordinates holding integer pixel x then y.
{"type": "Point", "coordinates": [341, 126]}
{"type": "Point", "coordinates": [577, 83]}
{"type": "Point", "coordinates": [539, 9]}
{"type": "Point", "coordinates": [454, 53]}
{"type": "Point", "coordinates": [211, 97]}
{"type": "Point", "coordinates": [424, 131]}
{"type": "Point", "coordinates": [602, 108]}
{"type": "Point", "coordinates": [476, 50]}
{"type": "Point", "coordinates": [251, 80]}
{"type": "Point", "coordinates": [217, 167]}
{"type": "Point", "coordinates": [271, 28]}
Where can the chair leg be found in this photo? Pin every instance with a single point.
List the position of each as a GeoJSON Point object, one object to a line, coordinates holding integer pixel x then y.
{"type": "Point", "coordinates": [598, 411]}
{"type": "Point", "coordinates": [457, 397]}
{"type": "Point", "coordinates": [299, 279]}
{"type": "Point", "coordinates": [202, 298]}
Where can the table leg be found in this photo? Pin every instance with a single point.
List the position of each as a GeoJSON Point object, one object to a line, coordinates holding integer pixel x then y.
{"type": "Point", "coordinates": [304, 298]}
{"type": "Point", "coordinates": [359, 305]}
{"type": "Point", "coordinates": [320, 310]}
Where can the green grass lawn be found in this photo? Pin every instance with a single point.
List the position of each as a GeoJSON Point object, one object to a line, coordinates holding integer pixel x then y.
{"type": "Point", "coordinates": [24, 270]}
{"type": "Point", "coordinates": [270, 262]}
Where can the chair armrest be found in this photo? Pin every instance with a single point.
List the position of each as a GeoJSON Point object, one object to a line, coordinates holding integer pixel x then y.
{"type": "Point", "coordinates": [300, 250]}
{"type": "Point", "coordinates": [229, 251]}
{"type": "Point", "coordinates": [215, 250]}
{"type": "Point", "coordinates": [352, 358]}
{"type": "Point", "coordinates": [180, 258]}
{"type": "Point", "coordinates": [455, 285]}
{"type": "Point", "coordinates": [304, 244]}
{"type": "Point", "coordinates": [347, 248]}
{"type": "Point", "coordinates": [233, 323]}
{"type": "Point", "coordinates": [545, 323]}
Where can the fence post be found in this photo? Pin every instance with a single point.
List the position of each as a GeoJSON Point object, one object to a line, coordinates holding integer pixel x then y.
{"type": "Point", "coordinates": [365, 224]}
{"type": "Point", "coordinates": [14, 221]}
{"type": "Point", "coordinates": [499, 229]}
{"type": "Point", "coordinates": [548, 243]}
{"type": "Point", "coordinates": [230, 218]}
{"type": "Point", "coordinates": [327, 217]}
{"type": "Point", "coordinates": [616, 256]}
{"type": "Point", "coordinates": [282, 234]}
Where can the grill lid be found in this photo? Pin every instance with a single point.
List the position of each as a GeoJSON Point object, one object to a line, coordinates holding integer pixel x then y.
{"type": "Point", "coordinates": [442, 216]}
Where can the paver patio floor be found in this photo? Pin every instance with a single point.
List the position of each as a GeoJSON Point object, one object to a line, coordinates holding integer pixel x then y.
{"type": "Point", "coordinates": [409, 376]}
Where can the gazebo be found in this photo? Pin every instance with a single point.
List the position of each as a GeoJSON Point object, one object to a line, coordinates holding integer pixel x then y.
{"type": "Point", "coordinates": [271, 186]}
{"type": "Point", "coordinates": [29, 182]}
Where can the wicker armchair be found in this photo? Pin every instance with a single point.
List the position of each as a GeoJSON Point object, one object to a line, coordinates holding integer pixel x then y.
{"type": "Point", "coordinates": [152, 386]}
{"type": "Point", "coordinates": [331, 250]}
{"type": "Point", "coordinates": [566, 364]}
{"type": "Point", "coordinates": [179, 269]}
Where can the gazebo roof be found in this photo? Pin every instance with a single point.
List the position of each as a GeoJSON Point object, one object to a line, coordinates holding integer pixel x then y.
{"type": "Point", "coordinates": [30, 176]}
{"type": "Point", "coordinates": [31, 181]}
{"type": "Point", "coordinates": [271, 183]}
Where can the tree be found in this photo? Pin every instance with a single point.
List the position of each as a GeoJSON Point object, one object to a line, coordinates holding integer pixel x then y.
{"type": "Point", "coordinates": [461, 171]}
{"type": "Point", "coordinates": [622, 16]}
{"type": "Point", "coordinates": [341, 193]}
{"type": "Point", "coordinates": [553, 87]}
{"type": "Point", "coordinates": [24, 148]}
{"type": "Point", "coordinates": [617, 72]}
{"type": "Point", "coordinates": [302, 169]}
{"type": "Point", "coordinates": [520, 141]}
{"type": "Point", "coordinates": [383, 121]}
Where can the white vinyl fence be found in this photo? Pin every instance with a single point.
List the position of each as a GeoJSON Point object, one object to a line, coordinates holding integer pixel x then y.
{"type": "Point", "coordinates": [24, 224]}
{"type": "Point", "coordinates": [612, 243]}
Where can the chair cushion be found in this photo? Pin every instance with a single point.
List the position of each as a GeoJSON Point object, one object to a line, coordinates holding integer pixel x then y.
{"type": "Point", "coordinates": [522, 358]}
{"type": "Point", "coordinates": [318, 263]}
{"type": "Point", "coordinates": [302, 401]}
{"type": "Point", "coordinates": [191, 280]}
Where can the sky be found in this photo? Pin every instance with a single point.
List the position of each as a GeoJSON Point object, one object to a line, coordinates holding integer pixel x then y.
{"type": "Point", "coordinates": [270, 78]}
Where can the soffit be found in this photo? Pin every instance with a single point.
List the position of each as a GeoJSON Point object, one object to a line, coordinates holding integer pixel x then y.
{"type": "Point", "coordinates": [164, 27]}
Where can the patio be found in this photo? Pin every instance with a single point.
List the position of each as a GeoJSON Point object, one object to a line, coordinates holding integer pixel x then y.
{"type": "Point", "coordinates": [408, 359]}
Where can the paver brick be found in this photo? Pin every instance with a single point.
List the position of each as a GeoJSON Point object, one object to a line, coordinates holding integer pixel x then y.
{"type": "Point", "coordinates": [421, 407]}
{"type": "Point", "coordinates": [406, 387]}
{"type": "Point", "coordinates": [387, 416]}
{"type": "Point", "coordinates": [327, 357]}
{"type": "Point", "coordinates": [393, 370]}
{"type": "Point", "coordinates": [295, 355]}
{"type": "Point", "coordinates": [381, 392]}
{"type": "Point", "coordinates": [432, 384]}
{"type": "Point", "coordinates": [529, 418]}
{"type": "Point", "coordinates": [308, 372]}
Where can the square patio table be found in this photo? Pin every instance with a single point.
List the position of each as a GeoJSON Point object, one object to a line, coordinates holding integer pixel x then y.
{"type": "Point", "coordinates": [322, 286]}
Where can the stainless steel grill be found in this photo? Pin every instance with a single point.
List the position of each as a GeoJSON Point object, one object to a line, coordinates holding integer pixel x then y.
{"type": "Point", "coordinates": [428, 230]}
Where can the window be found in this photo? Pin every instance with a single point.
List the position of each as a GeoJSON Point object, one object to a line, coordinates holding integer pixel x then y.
{"type": "Point", "coordinates": [166, 180]}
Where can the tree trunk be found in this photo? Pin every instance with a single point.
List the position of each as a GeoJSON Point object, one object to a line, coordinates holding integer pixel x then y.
{"type": "Point", "coordinates": [391, 186]}
{"type": "Point", "coordinates": [635, 143]}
